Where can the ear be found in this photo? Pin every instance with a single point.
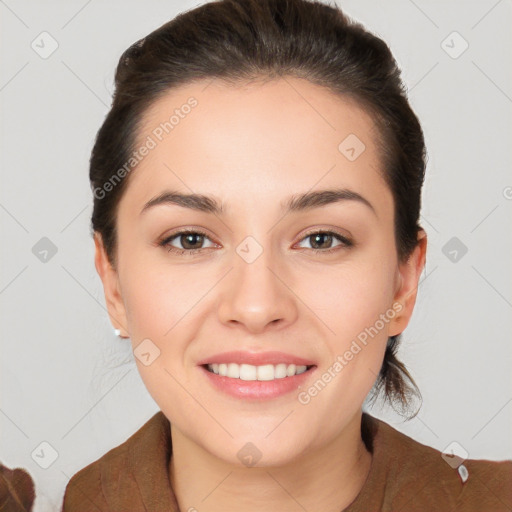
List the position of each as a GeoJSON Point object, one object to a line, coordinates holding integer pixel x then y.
{"type": "Point", "coordinates": [409, 274]}
{"type": "Point", "coordinates": [110, 279]}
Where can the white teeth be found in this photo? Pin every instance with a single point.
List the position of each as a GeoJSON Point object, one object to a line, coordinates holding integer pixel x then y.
{"type": "Point", "coordinates": [265, 372]}
{"type": "Point", "coordinates": [250, 372]}
{"type": "Point", "coordinates": [247, 372]}
{"type": "Point", "coordinates": [233, 371]}
{"type": "Point", "coordinates": [279, 371]}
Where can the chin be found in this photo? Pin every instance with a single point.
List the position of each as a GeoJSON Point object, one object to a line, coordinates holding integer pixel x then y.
{"type": "Point", "coordinates": [260, 452]}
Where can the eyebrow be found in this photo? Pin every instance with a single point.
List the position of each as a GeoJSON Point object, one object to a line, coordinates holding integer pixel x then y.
{"type": "Point", "coordinates": [296, 203]}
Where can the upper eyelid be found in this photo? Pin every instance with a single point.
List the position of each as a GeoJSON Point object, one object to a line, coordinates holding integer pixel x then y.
{"type": "Point", "coordinates": [186, 232]}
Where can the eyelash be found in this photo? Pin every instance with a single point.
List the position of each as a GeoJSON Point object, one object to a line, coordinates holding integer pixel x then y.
{"type": "Point", "coordinates": [346, 242]}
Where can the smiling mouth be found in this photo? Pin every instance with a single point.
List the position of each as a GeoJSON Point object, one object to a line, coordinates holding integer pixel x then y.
{"type": "Point", "coordinates": [249, 372]}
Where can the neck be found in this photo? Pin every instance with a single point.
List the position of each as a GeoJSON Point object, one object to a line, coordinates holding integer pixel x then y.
{"type": "Point", "coordinates": [327, 478]}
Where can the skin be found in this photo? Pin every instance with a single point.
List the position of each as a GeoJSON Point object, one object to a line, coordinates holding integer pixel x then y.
{"type": "Point", "coordinates": [252, 146]}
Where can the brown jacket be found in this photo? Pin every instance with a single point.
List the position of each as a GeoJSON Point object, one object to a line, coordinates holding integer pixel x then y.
{"type": "Point", "coordinates": [16, 490]}
{"type": "Point", "coordinates": [405, 476]}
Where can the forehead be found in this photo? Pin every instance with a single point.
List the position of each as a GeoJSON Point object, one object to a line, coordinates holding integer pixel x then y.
{"type": "Point", "coordinates": [242, 142]}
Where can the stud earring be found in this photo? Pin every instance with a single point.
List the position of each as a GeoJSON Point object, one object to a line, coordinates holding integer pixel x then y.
{"type": "Point", "coordinates": [117, 332]}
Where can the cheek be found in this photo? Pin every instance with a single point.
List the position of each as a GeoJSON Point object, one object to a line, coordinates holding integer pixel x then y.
{"type": "Point", "coordinates": [160, 308]}
{"type": "Point", "coordinates": [157, 296]}
{"type": "Point", "coordinates": [165, 304]}
{"type": "Point", "coordinates": [354, 303]}
{"type": "Point", "coordinates": [352, 296]}
{"type": "Point", "coordinates": [356, 307]}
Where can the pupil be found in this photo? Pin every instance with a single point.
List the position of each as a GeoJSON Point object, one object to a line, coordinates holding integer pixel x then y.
{"type": "Point", "coordinates": [320, 235]}
{"type": "Point", "coordinates": [190, 236]}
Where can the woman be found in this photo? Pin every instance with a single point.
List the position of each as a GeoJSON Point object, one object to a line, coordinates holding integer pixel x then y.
{"type": "Point", "coordinates": [257, 190]}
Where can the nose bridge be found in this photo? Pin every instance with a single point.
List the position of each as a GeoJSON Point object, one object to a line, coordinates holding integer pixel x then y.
{"type": "Point", "coordinates": [256, 295]}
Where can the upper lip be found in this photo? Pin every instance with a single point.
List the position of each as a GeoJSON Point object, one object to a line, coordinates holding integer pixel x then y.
{"type": "Point", "coordinates": [256, 358]}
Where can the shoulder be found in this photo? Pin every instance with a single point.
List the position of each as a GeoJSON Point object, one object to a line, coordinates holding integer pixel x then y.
{"type": "Point", "coordinates": [119, 478]}
{"type": "Point", "coordinates": [420, 477]}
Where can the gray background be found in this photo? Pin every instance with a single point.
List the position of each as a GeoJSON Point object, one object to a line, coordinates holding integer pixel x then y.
{"type": "Point", "coordinates": [63, 379]}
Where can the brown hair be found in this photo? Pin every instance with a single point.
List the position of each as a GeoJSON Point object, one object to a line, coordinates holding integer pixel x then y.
{"type": "Point", "coordinates": [241, 40]}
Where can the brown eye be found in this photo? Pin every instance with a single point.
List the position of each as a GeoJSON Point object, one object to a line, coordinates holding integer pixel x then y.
{"type": "Point", "coordinates": [321, 241]}
{"type": "Point", "coordinates": [190, 241]}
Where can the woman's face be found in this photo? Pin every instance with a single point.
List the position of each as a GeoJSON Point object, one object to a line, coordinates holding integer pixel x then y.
{"type": "Point", "coordinates": [255, 283]}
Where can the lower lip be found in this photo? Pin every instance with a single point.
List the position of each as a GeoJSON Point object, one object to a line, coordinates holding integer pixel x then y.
{"type": "Point", "coordinates": [257, 389]}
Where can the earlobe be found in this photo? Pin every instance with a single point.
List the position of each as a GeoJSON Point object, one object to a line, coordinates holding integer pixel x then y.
{"type": "Point", "coordinates": [110, 280]}
{"type": "Point", "coordinates": [409, 277]}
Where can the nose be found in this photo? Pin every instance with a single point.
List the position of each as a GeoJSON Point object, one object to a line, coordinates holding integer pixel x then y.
{"type": "Point", "coordinates": [257, 295]}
